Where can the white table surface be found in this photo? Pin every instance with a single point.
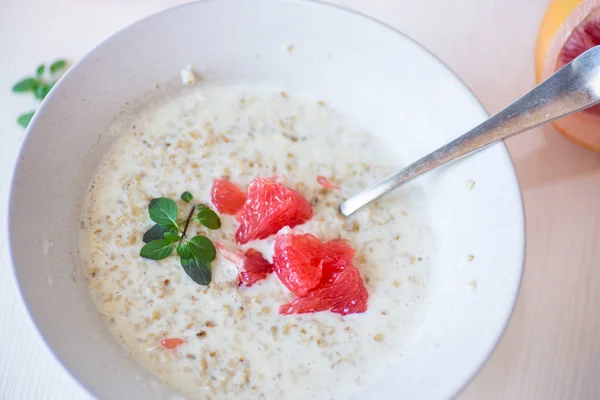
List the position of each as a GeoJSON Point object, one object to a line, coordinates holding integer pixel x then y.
{"type": "Point", "coordinates": [551, 349]}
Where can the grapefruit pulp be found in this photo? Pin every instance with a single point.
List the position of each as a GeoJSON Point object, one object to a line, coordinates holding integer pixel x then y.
{"type": "Point", "coordinates": [252, 266]}
{"type": "Point", "coordinates": [269, 207]}
{"type": "Point", "coordinates": [569, 28]}
{"type": "Point", "coordinates": [226, 196]}
{"type": "Point", "coordinates": [298, 261]}
{"type": "Point", "coordinates": [340, 288]}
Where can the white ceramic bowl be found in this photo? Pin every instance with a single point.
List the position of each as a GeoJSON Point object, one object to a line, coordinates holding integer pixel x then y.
{"type": "Point", "coordinates": [384, 80]}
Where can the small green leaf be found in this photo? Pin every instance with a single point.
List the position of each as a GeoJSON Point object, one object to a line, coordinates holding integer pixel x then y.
{"type": "Point", "coordinates": [57, 66]}
{"type": "Point", "coordinates": [199, 271]}
{"type": "Point", "coordinates": [163, 211]}
{"type": "Point", "coordinates": [201, 207]}
{"type": "Point", "coordinates": [202, 248]}
{"type": "Point", "coordinates": [157, 232]}
{"type": "Point", "coordinates": [39, 92]}
{"type": "Point", "coordinates": [25, 85]}
{"type": "Point", "coordinates": [24, 119]}
{"type": "Point", "coordinates": [40, 70]}
{"type": "Point", "coordinates": [186, 196]}
{"type": "Point", "coordinates": [172, 237]}
{"type": "Point", "coordinates": [47, 87]}
{"type": "Point", "coordinates": [157, 249]}
{"type": "Point", "coordinates": [209, 218]}
{"type": "Point", "coordinates": [183, 250]}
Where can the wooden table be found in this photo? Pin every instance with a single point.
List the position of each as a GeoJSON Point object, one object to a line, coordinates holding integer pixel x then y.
{"type": "Point", "coordinates": [551, 349]}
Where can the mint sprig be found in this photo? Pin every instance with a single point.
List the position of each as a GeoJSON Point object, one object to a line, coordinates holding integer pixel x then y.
{"type": "Point", "coordinates": [195, 254]}
{"type": "Point", "coordinates": [39, 85]}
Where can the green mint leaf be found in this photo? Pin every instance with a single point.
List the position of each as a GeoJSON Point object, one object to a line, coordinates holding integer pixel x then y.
{"type": "Point", "coordinates": [24, 119]}
{"type": "Point", "coordinates": [157, 249]}
{"type": "Point", "coordinates": [201, 207]}
{"type": "Point", "coordinates": [186, 196]}
{"type": "Point", "coordinates": [163, 211]}
{"type": "Point", "coordinates": [157, 232]}
{"type": "Point", "coordinates": [208, 218]}
{"type": "Point", "coordinates": [47, 87]}
{"type": "Point", "coordinates": [183, 250]}
{"type": "Point", "coordinates": [172, 237]}
{"type": "Point", "coordinates": [40, 70]}
{"type": "Point", "coordinates": [199, 271]}
{"type": "Point", "coordinates": [202, 248]}
{"type": "Point", "coordinates": [57, 66]}
{"type": "Point", "coordinates": [25, 85]}
{"type": "Point", "coordinates": [41, 91]}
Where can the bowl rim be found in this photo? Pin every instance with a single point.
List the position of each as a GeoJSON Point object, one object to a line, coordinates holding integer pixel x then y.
{"type": "Point", "coordinates": [494, 341]}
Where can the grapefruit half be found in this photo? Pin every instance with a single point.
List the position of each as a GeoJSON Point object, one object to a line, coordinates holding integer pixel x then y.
{"type": "Point", "coordinates": [569, 28]}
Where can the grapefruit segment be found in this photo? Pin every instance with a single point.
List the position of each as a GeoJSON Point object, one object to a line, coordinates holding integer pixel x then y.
{"type": "Point", "coordinates": [569, 28]}
{"type": "Point", "coordinates": [338, 251]}
{"type": "Point", "coordinates": [300, 259]}
{"type": "Point", "coordinates": [269, 207]}
{"type": "Point", "coordinates": [252, 266]}
{"type": "Point", "coordinates": [341, 291]}
{"type": "Point", "coordinates": [226, 196]}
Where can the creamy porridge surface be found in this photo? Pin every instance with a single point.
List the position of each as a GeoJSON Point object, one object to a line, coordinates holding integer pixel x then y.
{"type": "Point", "coordinates": [236, 343]}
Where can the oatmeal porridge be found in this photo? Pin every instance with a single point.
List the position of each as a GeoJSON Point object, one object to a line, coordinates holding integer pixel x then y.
{"type": "Point", "coordinates": [232, 341]}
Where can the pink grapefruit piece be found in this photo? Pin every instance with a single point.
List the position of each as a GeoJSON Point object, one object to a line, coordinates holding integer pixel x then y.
{"type": "Point", "coordinates": [252, 265]}
{"type": "Point", "coordinates": [226, 196]}
{"type": "Point", "coordinates": [269, 207]}
{"type": "Point", "coordinates": [299, 259]}
{"type": "Point", "coordinates": [342, 292]}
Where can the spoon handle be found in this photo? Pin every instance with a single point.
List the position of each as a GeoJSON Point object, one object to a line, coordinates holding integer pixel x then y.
{"type": "Point", "coordinates": [574, 87]}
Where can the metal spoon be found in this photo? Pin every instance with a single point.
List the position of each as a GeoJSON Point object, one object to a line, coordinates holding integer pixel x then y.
{"type": "Point", "coordinates": [574, 87]}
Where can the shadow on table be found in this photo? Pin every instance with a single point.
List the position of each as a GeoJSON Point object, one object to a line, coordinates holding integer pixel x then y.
{"type": "Point", "coordinates": [552, 158]}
